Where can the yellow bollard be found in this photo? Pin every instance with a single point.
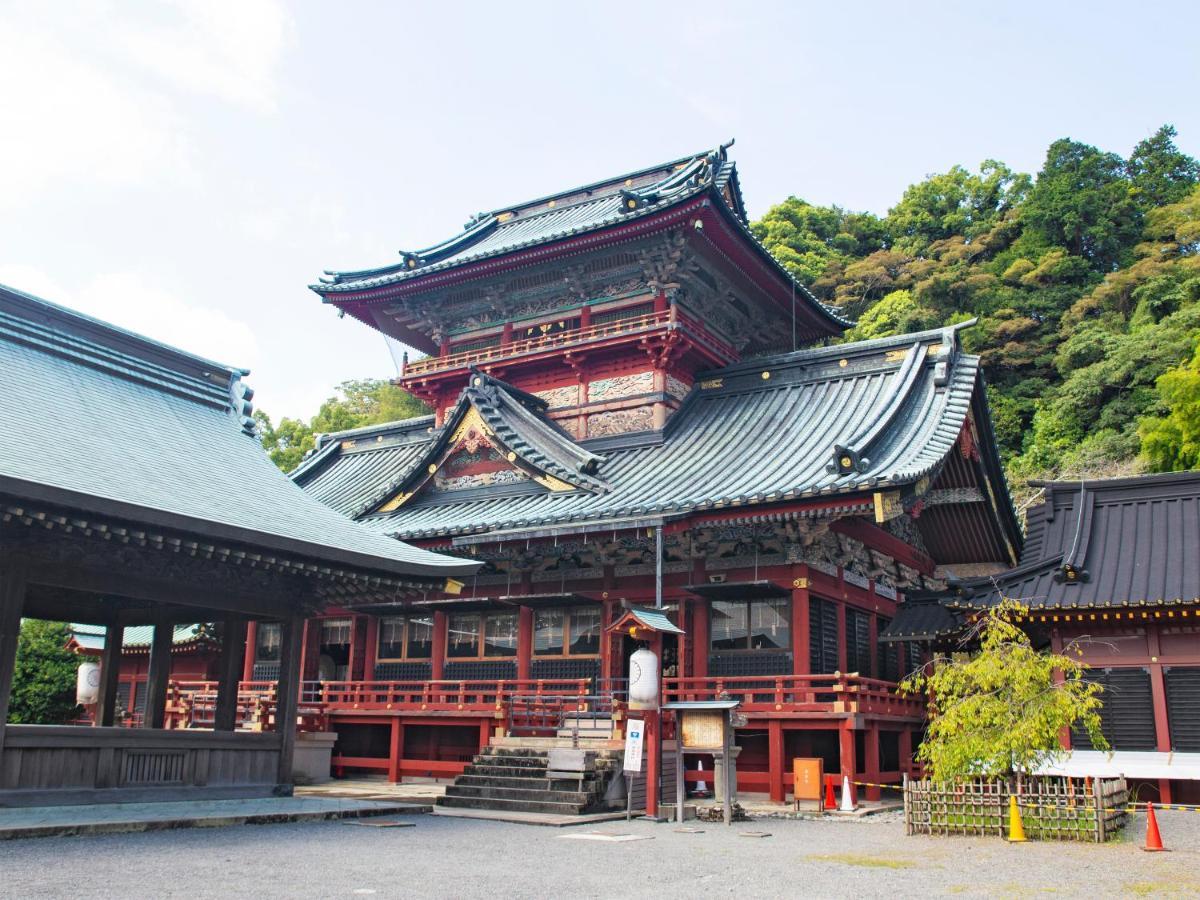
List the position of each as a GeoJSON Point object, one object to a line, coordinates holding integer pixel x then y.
{"type": "Point", "coordinates": [1016, 831]}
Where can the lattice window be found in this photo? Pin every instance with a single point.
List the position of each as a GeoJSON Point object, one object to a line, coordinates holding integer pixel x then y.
{"type": "Point", "coordinates": [267, 647]}
{"type": "Point", "coordinates": [822, 636]}
{"type": "Point", "coordinates": [625, 312]}
{"type": "Point", "coordinates": [750, 624]}
{"type": "Point", "coordinates": [335, 632]}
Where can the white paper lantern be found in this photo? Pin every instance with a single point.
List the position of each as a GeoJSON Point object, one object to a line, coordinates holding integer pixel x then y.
{"type": "Point", "coordinates": [87, 684]}
{"type": "Point", "coordinates": [643, 679]}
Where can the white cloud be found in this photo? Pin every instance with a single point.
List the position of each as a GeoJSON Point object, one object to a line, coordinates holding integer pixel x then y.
{"type": "Point", "coordinates": [131, 301]}
{"type": "Point", "coordinates": [226, 48]}
{"type": "Point", "coordinates": [90, 92]}
{"type": "Point", "coordinates": [79, 123]}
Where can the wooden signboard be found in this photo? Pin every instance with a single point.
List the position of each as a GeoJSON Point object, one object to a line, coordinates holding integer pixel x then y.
{"type": "Point", "coordinates": [807, 778]}
{"type": "Point", "coordinates": [703, 729]}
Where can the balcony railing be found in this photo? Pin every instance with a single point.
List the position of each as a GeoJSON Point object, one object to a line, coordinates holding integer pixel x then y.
{"type": "Point", "coordinates": [668, 319]}
{"type": "Point", "coordinates": [192, 704]}
{"type": "Point", "coordinates": [799, 694]}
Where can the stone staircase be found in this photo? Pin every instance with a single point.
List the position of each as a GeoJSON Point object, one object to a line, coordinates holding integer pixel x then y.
{"type": "Point", "coordinates": [515, 778]}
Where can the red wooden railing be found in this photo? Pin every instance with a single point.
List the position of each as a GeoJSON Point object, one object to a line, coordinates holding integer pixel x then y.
{"type": "Point", "coordinates": [799, 694]}
{"type": "Point", "coordinates": [192, 704]}
{"type": "Point", "coordinates": [619, 327]}
{"type": "Point", "coordinates": [479, 695]}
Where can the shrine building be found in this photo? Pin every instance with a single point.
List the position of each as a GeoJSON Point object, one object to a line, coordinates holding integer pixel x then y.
{"type": "Point", "coordinates": [637, 410]}
{"type": "Point", "coordinates": [1110, 571]}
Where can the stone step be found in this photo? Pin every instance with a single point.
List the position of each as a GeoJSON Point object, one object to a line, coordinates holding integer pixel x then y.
{"type": "Point", "coordinates": [549, 743]}
{"type": "Point", "coordinates": [502, 781]}
{"type": "Point", "coordinates": [517, 752]}
{"type": "Point", "coordinates": [562, 809]}
{"type": "Point", "coordinates": [582, 798]}
{"type": "Point", "coordinates": [504, 771]}
{"type": "Point", "coordinates": [512, 762]}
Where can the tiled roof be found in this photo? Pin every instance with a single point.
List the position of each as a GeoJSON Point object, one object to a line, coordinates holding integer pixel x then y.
{"type": "Point", "coordinates": [91, 637]}
{"type": "Point", "coordinates": [759, 432]}
{"type": "Point", "coordinates": [578, 211]}
{"type": "Point", "coordinates": [1101, 544]}
{"type": "Point", "coordinates": [921, 619]}
{"type": "Point", "coordinates": [517, 427]}
{"type": "Point", "coordinates": [106, 421]}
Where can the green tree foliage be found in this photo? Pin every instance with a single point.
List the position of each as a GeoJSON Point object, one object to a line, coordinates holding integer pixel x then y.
{"type": "Point", "coordinates": [1171, 442]}
{"type": "Point", "coordinates": [955, 203]}
{"type": "Point", "coordinates": [43, 688]}
{"type": "Point", "coordinates": [1083, 201]}
{"type": "Point", "coordinates": [1084, 282]}
{"type": "Point", "coordinates": [999, 710]}
{"type": "Point", "coordinates": [360, 402]}
{"type": "Point", "coordinates": [1159, 172]}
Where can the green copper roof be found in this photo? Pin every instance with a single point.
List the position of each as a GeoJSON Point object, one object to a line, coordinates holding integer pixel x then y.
{"type": "Point", "coordinates": [91, 637]}
{"type": "Point", "coordinates": [600, 205]}
{"type": "Point", "coordinates": [102, 420]}
{"type": "Point", "coordinates": [895, 405]}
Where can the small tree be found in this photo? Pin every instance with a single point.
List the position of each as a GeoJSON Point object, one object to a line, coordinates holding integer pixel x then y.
{"type": "Point", "coordinates": [1000, 710]}
{"type": "Point", "coordinates": [43, 688]}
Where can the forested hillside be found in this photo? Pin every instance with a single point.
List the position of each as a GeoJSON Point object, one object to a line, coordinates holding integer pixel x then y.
{"type": "Point", "coordinates": [1085, 280]}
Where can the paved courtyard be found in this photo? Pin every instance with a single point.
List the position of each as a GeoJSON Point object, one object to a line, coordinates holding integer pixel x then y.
{"type": "Point", "coordinates": [443, 857]}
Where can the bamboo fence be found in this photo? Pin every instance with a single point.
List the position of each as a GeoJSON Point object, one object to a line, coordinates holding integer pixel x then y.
{"type": "Point", "coordinates": [1052, 808]}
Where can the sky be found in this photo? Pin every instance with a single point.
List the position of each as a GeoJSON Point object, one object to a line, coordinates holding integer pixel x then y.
{"type": "Point", "coordinates": [186, 169]}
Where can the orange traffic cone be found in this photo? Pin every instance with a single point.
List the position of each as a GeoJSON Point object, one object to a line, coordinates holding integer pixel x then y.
{"type": "Point", "coordinates": [1153, 838]}
{"type": "Point", "coordinates": [830, 799]}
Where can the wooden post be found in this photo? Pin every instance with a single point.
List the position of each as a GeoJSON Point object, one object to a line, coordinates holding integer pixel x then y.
{"type": "Point", "coordinates": [680, 790]}
{"type": "Point", "coordinates": [12, 601]}
{"type": "Point", "coordinates": [110, 675]}
{"type": "Point", "coordinates": [727, 771]}
{"type": "Point", "coordinates": [371, 651]}
{"type": "Point", "coordinates": [159, 676]}
{"type": "Point", "coordinates": [775, 759]}
{"type": "Point", "coordinates": [290, 642]}
{"type": "Point", "coordinates": [906, 751]}
{"type": "Point", "coordinates": [437, 663]}
{"type": "Point", "coordinates": [873, 669]}
{"type": "Point", "coordinates": [229, 671]}
{"type": "Point", "coordinates": [801, 651]}
{"type": "Point", "coordinates": [871, 763]}
{"type": "Point", "coordinates": [846, 748]}
{"type": "Point", "coordinates": [358, 643]}
{"type": "Point", "coordinates": [524, 643]}
{"type": "Point", "coordinates": [310, 656]}
{"type": "Point", "coordinates": [843, 656]}
{"type": "Point", "coordinates": [700, 638]}
{"type": "Point", "coordinates": [1158, 700]}
{"type": "Point", "coordinates": [395, 751]}
{"type": "Point", "coordinates": [606, 644]}
{"type": "Point", "coordinates": [251, 651]}
{"type": "Point", "coordinates": [653, 753]}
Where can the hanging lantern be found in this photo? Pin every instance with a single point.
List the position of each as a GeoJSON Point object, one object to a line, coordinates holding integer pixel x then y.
{"type": "Point", "coordinates": [87, 684]}
{"type": "Point", "coordinates": [643, 679]}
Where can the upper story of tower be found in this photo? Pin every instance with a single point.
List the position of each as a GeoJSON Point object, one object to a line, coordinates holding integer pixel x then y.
{"type": "Point", "coordinates": [605, 300]}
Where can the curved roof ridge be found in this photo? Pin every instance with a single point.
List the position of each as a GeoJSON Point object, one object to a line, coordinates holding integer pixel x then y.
{"type": "Point", "coordinates": [854, 454]}
{"type": "Point", "coordinates": [553, 451]}
{"type": "Point", "coordinates": [378, 428]}
{"type": "Point", "coordinates": [854, 348]}
{"type": "Point", "coordinates": [512, 416]}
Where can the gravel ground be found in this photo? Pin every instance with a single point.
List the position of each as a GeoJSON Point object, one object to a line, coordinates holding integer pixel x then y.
{"type": "Point", "coordinates": [444, 857]}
